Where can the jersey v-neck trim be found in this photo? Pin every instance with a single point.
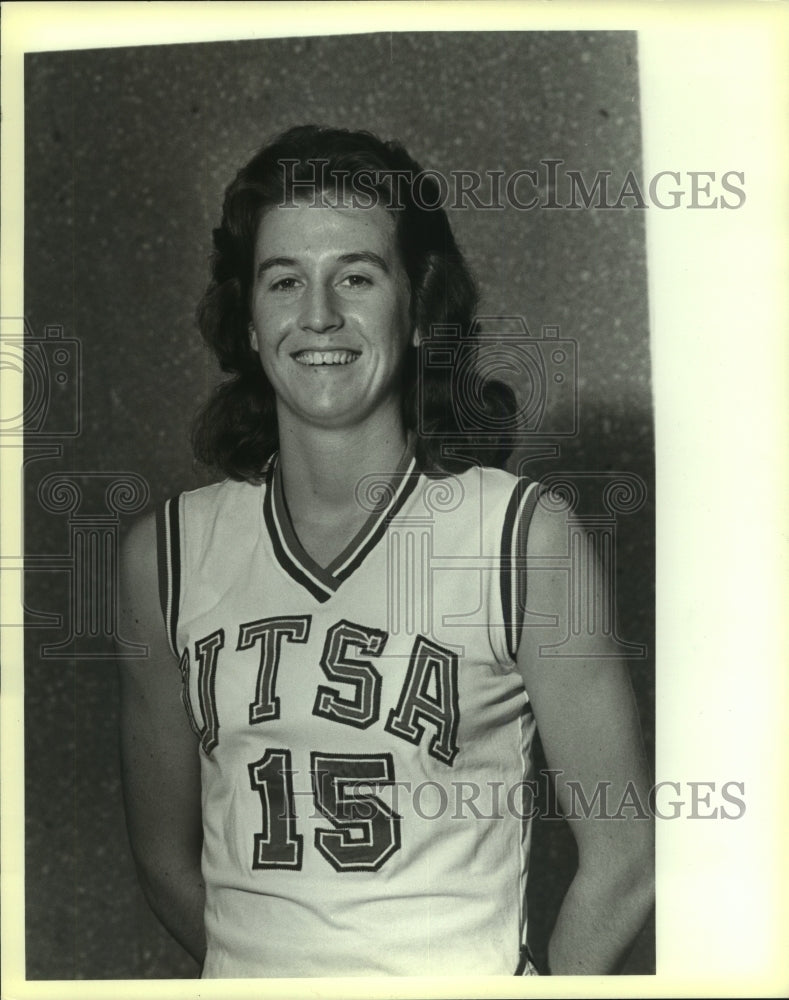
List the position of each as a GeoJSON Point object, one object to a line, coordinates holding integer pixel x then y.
{"type": "Point", "coordinates": [323, 581]}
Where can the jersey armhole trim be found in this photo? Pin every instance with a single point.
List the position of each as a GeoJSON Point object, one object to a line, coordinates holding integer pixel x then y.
{"type": "Point", "coordinates": [168, 557]}
{"type": "Point", "coordinates": [513, 559]}
{"type": "Point", "coordinates": [527, 966]}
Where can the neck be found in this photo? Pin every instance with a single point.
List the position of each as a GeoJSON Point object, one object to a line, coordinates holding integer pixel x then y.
{"type": "Point", "coordinates": [320, 473]}
{"type": "Point", "coordinates": [321, 468]}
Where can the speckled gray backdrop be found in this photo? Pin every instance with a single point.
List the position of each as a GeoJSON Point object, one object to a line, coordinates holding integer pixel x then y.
{"type": "Point", "coordinates": [127, 155]}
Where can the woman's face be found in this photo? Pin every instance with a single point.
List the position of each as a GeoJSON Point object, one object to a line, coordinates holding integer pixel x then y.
{"type": "Point", "coordinates": [330, 313]}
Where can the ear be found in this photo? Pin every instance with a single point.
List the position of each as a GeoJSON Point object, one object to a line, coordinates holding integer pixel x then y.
{"type": "Point", "coordinates": [415, 337]}
{"type": "Point", "coordinates": [253, 336]}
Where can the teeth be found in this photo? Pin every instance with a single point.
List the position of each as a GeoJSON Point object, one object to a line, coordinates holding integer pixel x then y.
{"type": "Point", "coordinates": [325, 357]}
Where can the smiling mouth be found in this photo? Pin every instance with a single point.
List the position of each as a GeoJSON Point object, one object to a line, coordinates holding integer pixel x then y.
{"type": "Point", "coordinates": [325, 357]}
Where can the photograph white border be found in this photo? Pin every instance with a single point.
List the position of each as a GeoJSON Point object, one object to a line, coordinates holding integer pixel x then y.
{"type": "Point", "coordinates": [719, 319]}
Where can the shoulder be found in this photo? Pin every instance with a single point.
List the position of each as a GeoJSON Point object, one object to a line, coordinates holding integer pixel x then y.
{"type": "Point", "coordinates": [203, 506]}
{"type": "Point", "coordinates": [478, 492]}
{"type": "Point", "coordinates": [495, 486]}
{"type": "Point", "coordinates": [508, 501]}
{"type": "Point", "coordinates": [225, 492]}
{"type": "Point", "coordinates": [140, 538]}
{"type": "Point", "coordinates": [229, 503]}
{"type": "Point", "coordinates": [551, 523]}
{"type": "Point", "coordinates": [494, 506]}
{"type": "Point", "coordinates": [498, 498]}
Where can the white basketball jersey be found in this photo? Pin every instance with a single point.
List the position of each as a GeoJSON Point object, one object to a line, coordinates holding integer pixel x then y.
{"type": "Point", "coordinates": [364, 732]}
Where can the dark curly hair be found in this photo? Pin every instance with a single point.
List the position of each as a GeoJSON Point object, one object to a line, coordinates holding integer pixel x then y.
{"type": "Point", "coordinates": [236, 431]}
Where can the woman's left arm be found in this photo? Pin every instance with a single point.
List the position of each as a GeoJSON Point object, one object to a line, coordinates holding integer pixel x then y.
{"type": "Point", "coordinates": [588, 723]}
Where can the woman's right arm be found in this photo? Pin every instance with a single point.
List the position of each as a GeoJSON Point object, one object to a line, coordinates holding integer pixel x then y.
{"type": "Point", "coordinates": [159, 754]}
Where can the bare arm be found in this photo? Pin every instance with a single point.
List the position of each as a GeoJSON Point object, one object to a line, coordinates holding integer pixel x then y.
{"type": "Point", "coordinates": [159, 755]}
{"type": "Point", "coordinates": [588, 723]}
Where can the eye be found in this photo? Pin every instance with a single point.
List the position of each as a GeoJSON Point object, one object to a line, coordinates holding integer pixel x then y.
{"type": "Point", "coordinates": [283, 285]}
{"type": "Point", "coordinates": [356, 281]}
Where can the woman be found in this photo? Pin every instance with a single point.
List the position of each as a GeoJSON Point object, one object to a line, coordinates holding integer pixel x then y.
{"type": "Point", "coordinates": [331, 782]}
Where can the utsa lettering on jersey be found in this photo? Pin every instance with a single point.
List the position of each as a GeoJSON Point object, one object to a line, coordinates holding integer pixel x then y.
{"type": "Point", "coordinates": [345, 630]}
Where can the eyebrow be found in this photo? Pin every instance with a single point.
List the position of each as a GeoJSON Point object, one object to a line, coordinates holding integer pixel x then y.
{"type": "Point", "coordinates": [356, 256]}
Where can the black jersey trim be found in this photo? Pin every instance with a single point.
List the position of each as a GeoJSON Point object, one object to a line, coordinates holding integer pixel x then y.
{"type": "Point", "coordinates": [168, 558]}
{"type": "Point", "coordinates": [513, 558]}
{"type": "Point", "coordinates": [323, 582]}
{"type": "Point", "coordinates": [527, 963]}
{"type": "Point", "coordinates": [289, 564]}
{"type": "Point", "coordinates": [408, 484]}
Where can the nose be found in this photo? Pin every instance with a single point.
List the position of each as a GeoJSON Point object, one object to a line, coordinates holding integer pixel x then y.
{"type": "Point", "coordinates": [320, 309]}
